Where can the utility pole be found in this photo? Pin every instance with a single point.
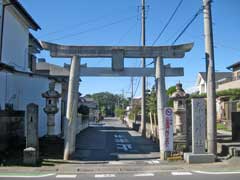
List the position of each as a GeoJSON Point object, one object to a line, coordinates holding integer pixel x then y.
{"type": "Point", "coordinates": [123, 93]}
{"type": "Point", "coordinates": [132, 92]}
{"type": "Point", "coordinates": [211, 88]}
{"type": "Point", "coordinates": [143, 103]}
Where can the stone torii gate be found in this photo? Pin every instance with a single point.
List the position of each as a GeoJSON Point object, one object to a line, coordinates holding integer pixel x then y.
{"type": "Point", "coordinates": [117, 53]}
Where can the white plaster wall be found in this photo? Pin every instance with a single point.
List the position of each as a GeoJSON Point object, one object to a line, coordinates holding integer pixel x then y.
{"type": "Point", "coordinates": [229, 85]}
{"type": "Point", "coordinates": [202, 82]}
{"type": "Point", "coordinates": [15, 41]}
{"type": "Point", "coordinates": [22, 90]}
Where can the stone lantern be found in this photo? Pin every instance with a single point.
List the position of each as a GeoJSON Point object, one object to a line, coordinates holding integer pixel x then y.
{"type": "Point", "coordinates": [52, 98]}
{"type": "Point", "coordinates": [179, 105]}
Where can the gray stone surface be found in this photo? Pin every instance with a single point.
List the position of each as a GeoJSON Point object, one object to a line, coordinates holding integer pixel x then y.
{"type": "Point", "coordinates": [118, 60]}
{"type": "Point", "coordinates": [176, 51]}
{"type": "Point", "coordinates": [199, 158]}
{"type": "Point", "coordinates": [52, 98]}
{"type": "Point", "coordinates": [30, 156]}
{"type": "Point", "coordinates": [198, 126]}
{"type": "Point", "coordinates": [32, 126]}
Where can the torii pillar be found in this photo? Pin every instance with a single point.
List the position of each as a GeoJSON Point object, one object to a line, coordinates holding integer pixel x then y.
{"type": "Point", "coordinates": [161, 104]}
{"type": "Point", "coordinates": [72, 108]}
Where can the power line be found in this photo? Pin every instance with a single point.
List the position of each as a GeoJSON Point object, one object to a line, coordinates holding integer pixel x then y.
{"type": "Point", "coordinates": [126, 33]}
{"type": "Point", "coordinates": [188, 24]}
{"type": "Point", "coordinates": [86, 22]}
{"type": "Point", "coordinates": [137, 87]}
{"type": "Point", "coordinates": [95, 28]}
{"type": "Point", "coordinates": [165, 27]}
{"type": "Point", "coordinates": [168, 22]}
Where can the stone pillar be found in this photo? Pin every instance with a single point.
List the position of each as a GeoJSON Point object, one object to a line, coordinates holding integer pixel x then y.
{"type": "Point", "coordinates": [31, 153]}
{"type": "Point", "coordinates": [198, 154]}
{"type": "Point", "coordinates": [198, 126]}
{"type": "Point", "coordinates": [161, 104]}
{"type": "Point", "coordinates": [64, 105]}
{"type": "Point", "coordinates": [72, 104]}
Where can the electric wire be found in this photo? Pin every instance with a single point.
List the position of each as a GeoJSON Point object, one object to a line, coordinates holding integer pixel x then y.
{"type": "Point", "coordinates": [86, 22]}
{"type": "Point", "coordinates": [94, 28]}
{"type": "Point", "coordinates": [188, 25]}
{"type": "Point", "coordinates": [168, 22]}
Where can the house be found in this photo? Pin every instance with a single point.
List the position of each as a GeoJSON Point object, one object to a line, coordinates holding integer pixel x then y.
{"type": "Point", "coordinates": [20, 84]}
{"type": "Point", "coordinates": [201, 83]}
{"type": "Point", "coordinates": [234, 81]}
{"type": "Point", "coordinates": [93, 107]}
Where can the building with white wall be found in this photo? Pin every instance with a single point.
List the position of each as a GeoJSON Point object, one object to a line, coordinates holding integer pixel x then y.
{"type": "Point", "coordinates": [20, 85]}
{"type": "Point", "coordinates": [201, 82]}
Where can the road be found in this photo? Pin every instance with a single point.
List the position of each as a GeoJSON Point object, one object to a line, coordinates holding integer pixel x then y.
{"type": "Point", "coordinates": [110, 140]}
{"type": "Point", "coordinates": [110, 150]}
{"type": "Point", "coordinates": [133, 176]}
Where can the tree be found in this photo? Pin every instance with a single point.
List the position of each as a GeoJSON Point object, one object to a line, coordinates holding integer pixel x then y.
{"type": "Point", "coordinates": [170, 91]}
{"type": "Point", "coordinates": [119, 112]}
{"type": "Point", "coordinates": [107, 102]}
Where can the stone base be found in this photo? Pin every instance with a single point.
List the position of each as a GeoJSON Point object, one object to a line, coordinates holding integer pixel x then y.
{"type": "Point", "coordinates": [180, 143]}
{"type": "Point", "coordinates": [199, 158]}
{"type": "Point", "coordinates": [30, 156]}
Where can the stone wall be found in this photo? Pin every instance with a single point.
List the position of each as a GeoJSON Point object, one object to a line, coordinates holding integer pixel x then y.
{"type": "Point", "coordinates": [11, 129]}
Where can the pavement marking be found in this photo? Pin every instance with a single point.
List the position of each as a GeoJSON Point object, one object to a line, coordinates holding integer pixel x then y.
{"type": "Point", "coordinates": [121, 140]}
{"type": "Point", "coordinates": [66, 176]}
{"type": "Point", "coordinates": [115, 162]}
{"type": "Point", "coordinates": [217, 173]}
{"type": "Point", "coordinates": [25, 176]}
{"type": "Point", "coordinates": [153, 162]}
{"type": "Point", "coordinates": [118, 136]}
{"type": "Point", "coordinates": [104, 175]}
{"type": "Point", "coordinates": [144, 175]}
{"type": "Point", "coordinates": [125, 147]}
{"type": "Point", "coordinates": [181, 173]}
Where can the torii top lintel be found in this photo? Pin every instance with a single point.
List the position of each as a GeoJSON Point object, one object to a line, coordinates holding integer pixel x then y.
{"type": "Point", "coordinates": [64, 51]}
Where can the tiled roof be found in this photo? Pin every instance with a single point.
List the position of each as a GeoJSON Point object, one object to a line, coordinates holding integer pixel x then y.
{"type": "Point", "coordinates": [218, 75]}
{"type": "Point", "coordinates": [237, 64]}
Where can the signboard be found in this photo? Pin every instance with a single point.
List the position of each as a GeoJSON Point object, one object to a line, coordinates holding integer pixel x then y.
{"type": "Point", "coordinates": [198, 126]}
{"type": "Point", "coordinates": [168, 119]}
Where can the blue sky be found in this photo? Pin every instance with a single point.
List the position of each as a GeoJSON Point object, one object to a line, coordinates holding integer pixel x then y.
{"type": "Point", "coordinates": [117, 22]}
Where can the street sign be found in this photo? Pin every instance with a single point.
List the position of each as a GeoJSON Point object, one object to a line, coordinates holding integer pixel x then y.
{"type": "Point", "coordinates": [168, 118]}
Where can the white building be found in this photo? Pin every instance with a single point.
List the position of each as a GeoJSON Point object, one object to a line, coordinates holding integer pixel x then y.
{"type": "Point", "coordinates": [19, 84]}
{"type": "Point", "coordinates": [201, 83]}
{"type": "Point", "coordinates": [234, 81]}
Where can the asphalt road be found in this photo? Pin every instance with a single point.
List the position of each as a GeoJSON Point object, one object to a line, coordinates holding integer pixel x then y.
{"type": "Point", "coordinates": [110, 140]}
{"type": "Point", "coordinates": [140, 176]}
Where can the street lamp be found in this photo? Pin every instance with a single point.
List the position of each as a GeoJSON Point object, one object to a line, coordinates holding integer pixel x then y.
{"type": "Point", "coordinates": [2, 25]}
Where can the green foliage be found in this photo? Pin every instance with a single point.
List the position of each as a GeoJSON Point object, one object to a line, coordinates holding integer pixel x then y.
{"type": "Point", "coordinates": [108, 101]}
{"type": "Point", "coordinates": [170, 103]}
{"type": "Point", "coordinates": [84, 110]}
{"type": "Point", "coordinates": [221, 126]}
{"type": "Point", "coordinates": [232, 93]}
{"type": "Point", "coordinates": [171, 90]}
{"type": "Point", "coordinates": [119, 112]}
{"type": "Point", "coordinates": [203, 95]}
{"type": "Point", "coordinates": [131, 116]}
{"type": "Point", "coordinates": [151, 101]}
